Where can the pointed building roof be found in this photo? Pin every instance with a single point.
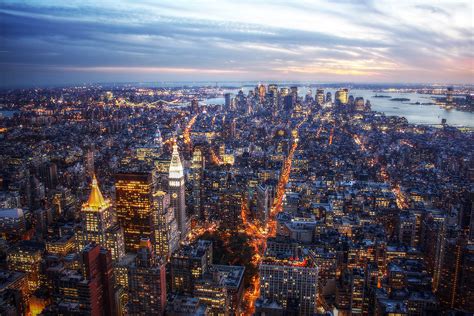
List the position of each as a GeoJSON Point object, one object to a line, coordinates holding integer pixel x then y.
{"type": "Point", "coordinates": [158, 140]}
{"type": "Point", "coordinates": [176, 168]}
{"type": "Point", "coordinates": [96, 200]}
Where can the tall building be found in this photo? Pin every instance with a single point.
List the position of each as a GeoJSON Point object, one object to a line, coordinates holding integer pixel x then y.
{"type": "Point", "coordinates": [228, 100]}
{"type": "Point", "coordinates": [342, 96]}
{"type": "Point", "coordinates": [194, 106]}
{"type": "Point", "coordinates": [289, 279]}
{"type": "Point", "coordinates": [328, 97]}
{"type": "Point", "coordinates": [456, 272]}
{"type": "Point", "coordinates": [289, 103]}
{"type": "Point", "coordinates": [166, 235]}
{"type": "Point", "coordinates": [188, 264]}
{"type": "Point", "coordinates": [176, 190]}
{"type": "Point", "coordinates": [26, 257]}
{"type": "Point", "coordinates": [261, 92]}
{"type": "Point", "coordinates": [134, 204]}
{"type": "Point", "coordinates": [89, 293]}
{"type": "Point", "coordinates": [97, 215]}
{"type": "Point", "coordinates": [197, 169]}
{"type": "Point", "coordinates": [97, 268]}
{"type": "Point", "coordinates": [99, 224]}
{"type": "Point", "coordinates": [449, 95]}
{"type": "Point", "coordinates": [273, 88]}
{"type": "Point", "coordinates": [89, 163]}
{"type": "Point", "coordinates": [146, 282]}
{"type": "Point", "coordinates": [320, 96]}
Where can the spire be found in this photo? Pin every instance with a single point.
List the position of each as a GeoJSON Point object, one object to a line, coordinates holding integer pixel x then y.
{"type": "Point", "coordinates": [96, 200]}
{"type": "Point", "coordinates": [158, 140]}
{"type": "Point", "coordinates": [176, 168]}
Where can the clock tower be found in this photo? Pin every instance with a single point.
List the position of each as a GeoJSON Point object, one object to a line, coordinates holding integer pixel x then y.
{"type": "Point", "coordinates": [176, 191]}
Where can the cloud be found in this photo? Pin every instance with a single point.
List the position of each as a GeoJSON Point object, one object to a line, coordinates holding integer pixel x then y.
{"type": "Point", "coordinates": [365, 40]}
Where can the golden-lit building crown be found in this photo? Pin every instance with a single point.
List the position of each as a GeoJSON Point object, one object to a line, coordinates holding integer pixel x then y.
{"type": "Point", "coordinates": [96, 199]}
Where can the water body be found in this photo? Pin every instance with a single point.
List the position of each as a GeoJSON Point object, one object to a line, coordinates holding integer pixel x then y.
{"type": "Point", "coordinates": [430, 114]}
{"type": "Point", "coordinates": [7, 113]}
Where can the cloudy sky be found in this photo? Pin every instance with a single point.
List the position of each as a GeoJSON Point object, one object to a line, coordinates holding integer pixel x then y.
{"type": "Point", "coordinates": [49, 42]}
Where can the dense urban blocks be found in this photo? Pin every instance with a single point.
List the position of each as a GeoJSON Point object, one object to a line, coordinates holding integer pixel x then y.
{"type": "Point", "coordinates": [266, 199]}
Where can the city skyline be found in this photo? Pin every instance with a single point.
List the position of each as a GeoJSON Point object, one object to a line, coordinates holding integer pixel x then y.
{"type": "Point", "coordinates": [49, 42]}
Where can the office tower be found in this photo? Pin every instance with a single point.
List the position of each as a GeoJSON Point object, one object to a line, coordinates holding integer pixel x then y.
{"type": "Point", "coordinates": [273, 88]}
{"type": "Point", "coordinates": [261, 92]}
{"type": "Point", "coordinates": [288, 102]}
{"type": "Point", "coordinates": [90, 292]}
{"type": "Point", "coordinates": [48, 173]}
{"type": "Point", "coordinates": [197, 169]}
{"type": "Point", "coordinates": [90, 161]}
{"type": "Point", "coordinates": [350, 100]}
{"type": "Point", "coordinates": [294, 93]}
{"type": "Point", "coordinates": [230, 205]}
{"type": "Point", "coordinates": [97, 215]}
{"type": "Point", "coordinates": [449, 95]}
{"type": "Point", "coordinates": [166, 234]}
{"type": "Point", "coordinates": [466, 280]}
{"type": "Point", "coordinates": [328, 97]}
{"type": "Point", "coordinates": [320, 96]}
{"type": "Point", "coordinates": [359, 103]}
{"type": "Point", "coordinates": [134, 204]}
{"type": "Point", "coordinates": [452, 290]}
{"type": "Point", "coordinates": [188, 264]}
{"type": "Point", "coordinates": [99, 224]}
{"type": "Point", "coordinates": [97, 268]}
{"type": "Point", "coordinates": [26, 257]}
{"type": "Point", "coordinates": [176, 190]}
{"type": "Point", "coordinates": [407, 230]}
{"type": "Point", "coordinates": [228, 100]}
{"type": "Point", "coordinates": [341, 97]}
{"type": "Point", "coordinates": [284, 91]}
{"type": "Point", "coordinates": [358, 297]}
{"type": "Point", "coordinates": [147, 282]}
{"type": "Point", "coordinates": [194, 106]}
{"type": "Point", "coordinates": [433, 234]}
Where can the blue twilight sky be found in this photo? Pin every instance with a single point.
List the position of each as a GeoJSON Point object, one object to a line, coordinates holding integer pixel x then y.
{"type": "Point", "coordinates": [50, 42]}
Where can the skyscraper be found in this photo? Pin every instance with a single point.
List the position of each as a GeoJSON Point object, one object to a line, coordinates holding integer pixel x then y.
{"type": "Point", "coordinates": [197, 168]}
{"type": "Point", "coordinates": [341, 96]}
{"type": "Point", "coordinates": [176, 190]}
{"type": "Point", "coordinates": [97, 215]}
{"type": "Point", "coordinates": [194, 106]}
{"type": "Point", "coordinates": [320, 96]}
{"type": "Point", "coordinates": [99, 224]}
{"type": "Point", "coordinates": [146, 282]}
{"type": "Point", "coordinates": [166, 234]}
{"type": "Point", "coordinates": [228, 100]}
{"type": "Point", "coordinates": [134, 192]}
{"type": "Point", "coordinates": [449, 95]}
{"type": "Point", "coordinates": [97, 268]}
